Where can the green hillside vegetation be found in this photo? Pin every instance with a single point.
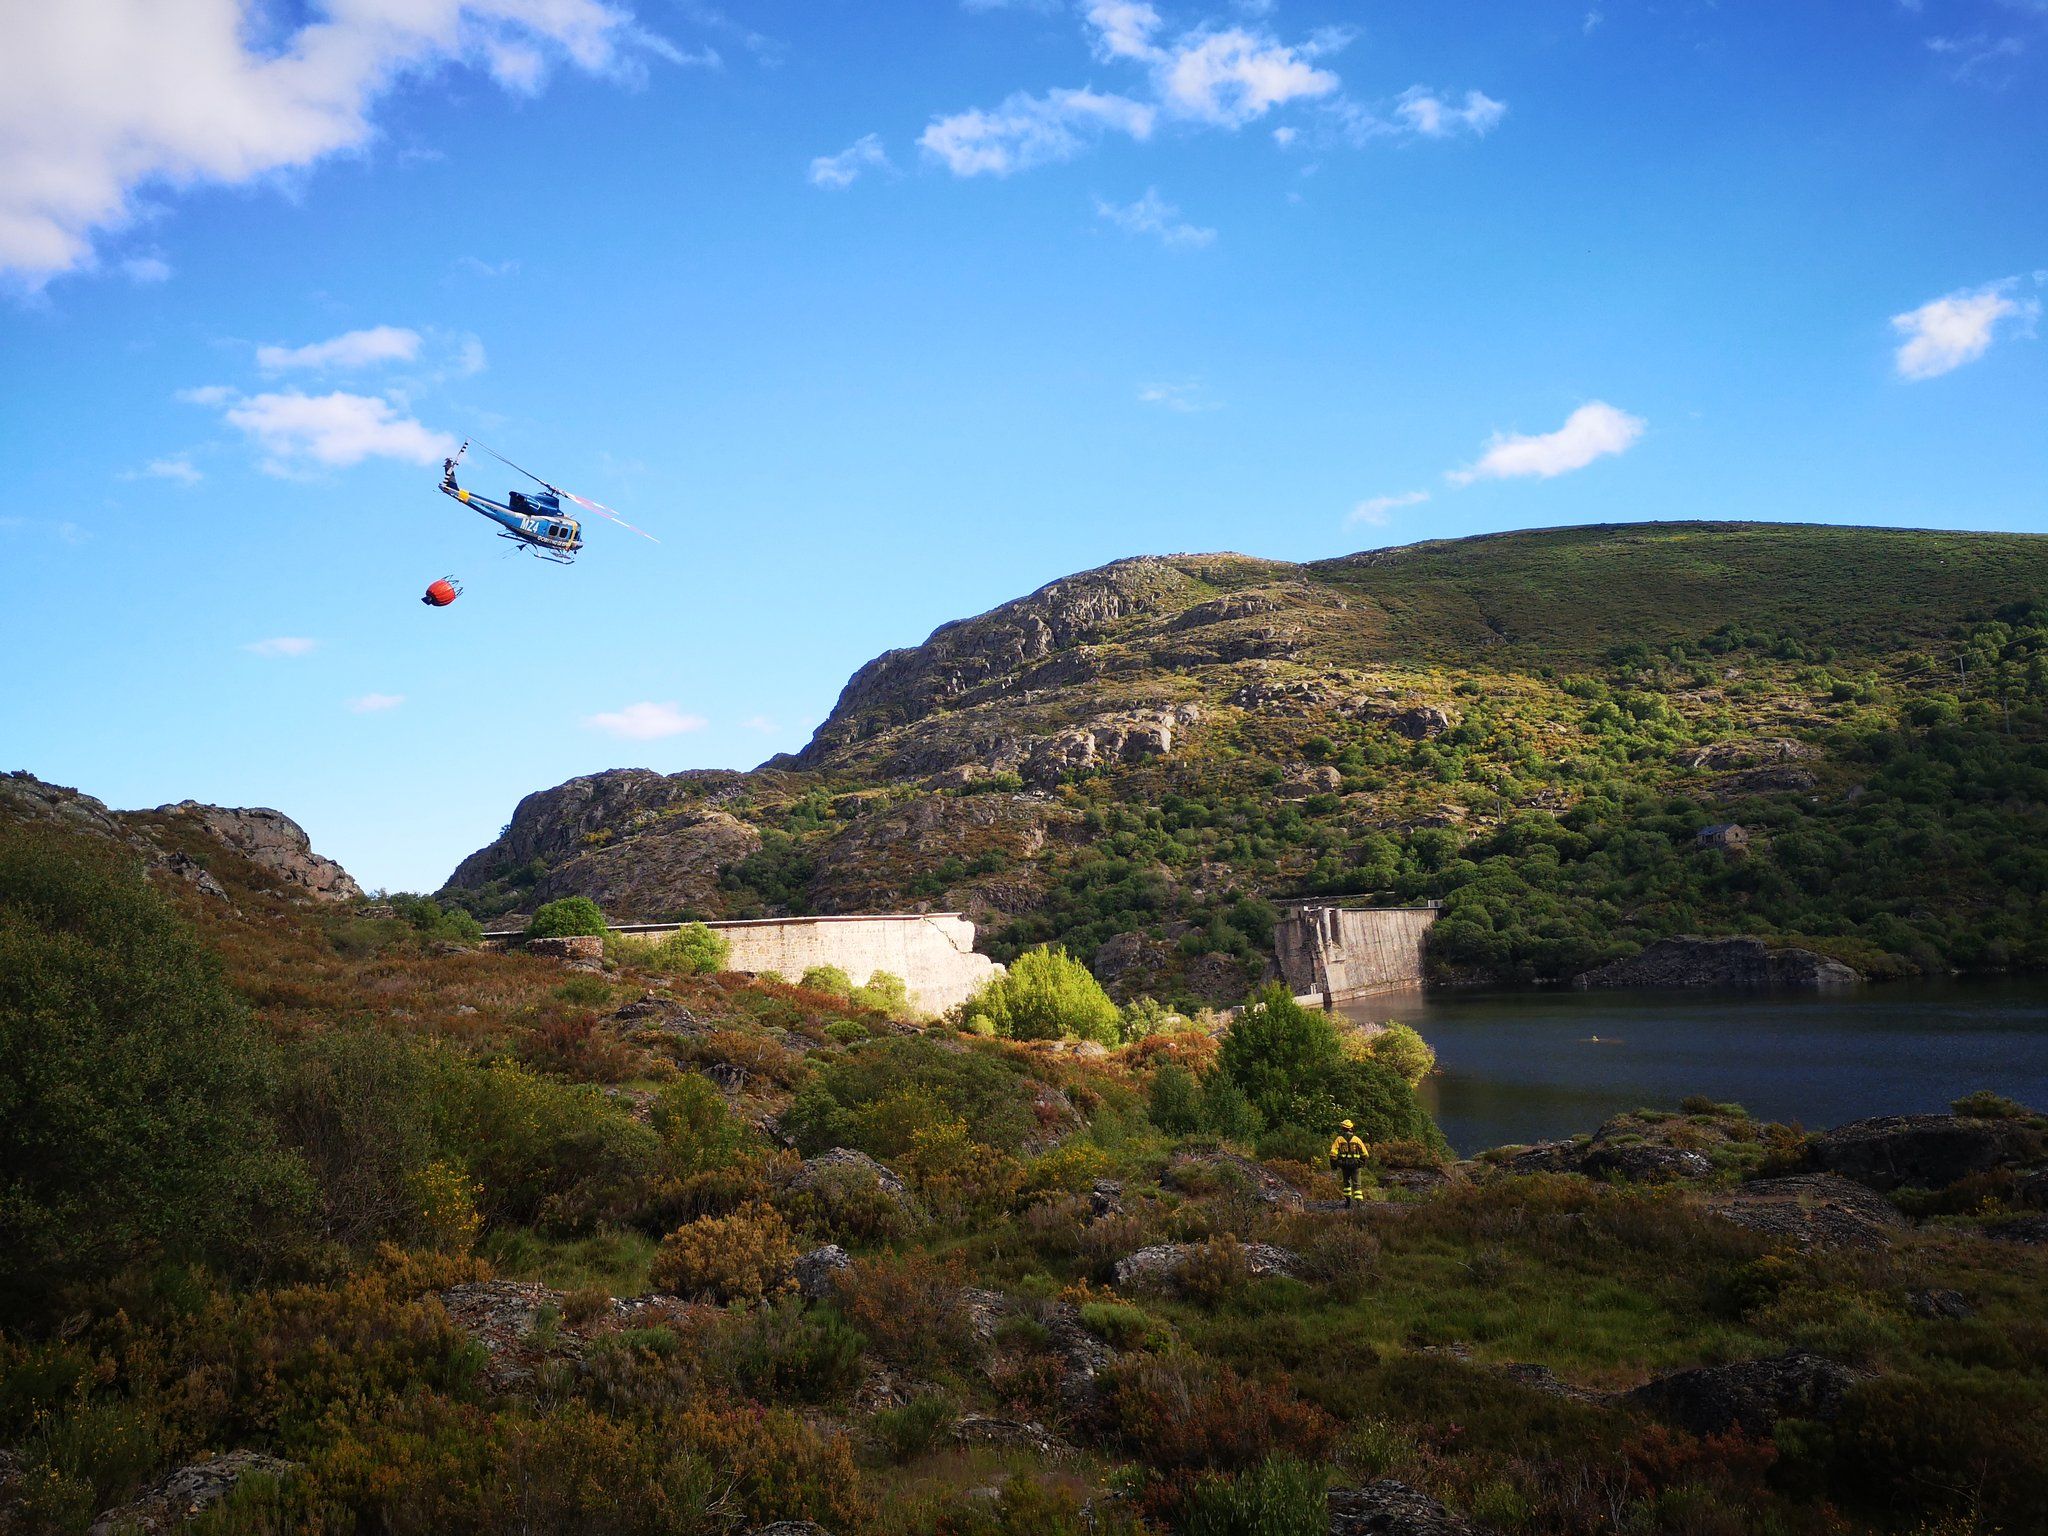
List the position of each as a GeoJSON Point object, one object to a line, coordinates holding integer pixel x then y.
{"type": "Point", "coordinates": [474, 1242]}
{"type": "Point", "coordinates": [1532, 728]}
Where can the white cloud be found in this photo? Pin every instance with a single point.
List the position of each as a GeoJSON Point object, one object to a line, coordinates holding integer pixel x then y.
{"type": "Point", "coordinates": [352, 349]}
{"type": "Point", "coordinates": [759, 723]}
{"type": "Point", "coordinates": [100, 99]}
{"type": "Point", "coordinates": [837, 172]}
{"type": "Point", "coordinates": [1027, 131]}
{"type": "Point", "coordinates": [205, 394]}
{"type": "Point", "coordinates": [376, 703]}
{"type": "Point", "coordinates": [1593, 431]}
{"type": "Point", "coordinates": [1185, 397]}
{"type": "Point", "coordinates": [1430, 115]}
{"type": "Point", "coordinates": [1123, 29]}
{"type": "Point", "coordinates": [478, 267]}
{"type": "Point", "coordinates": [1378, 510]}
{"type": "Point", "coordinates": [1221, 77]}
{"type": "Point", "coordinates": [1154, 215]}
{"type": "Point", "coordinates": [1228, 78]}
{"type": "Point", "coordinates": [333, 430]}
{"type": "Point", "coordinates": [282, 645]}
{"type": "Point", "coordinates": [1957, 328]}
{"type": "Point", "coordinates": [146, 269]}
{"type": "Point", "coordinates": [178, 468]}
{"type": "Point", "coordinates": [645, 722]}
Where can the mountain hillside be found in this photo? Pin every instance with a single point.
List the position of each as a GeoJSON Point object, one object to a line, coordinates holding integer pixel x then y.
{"type": "Point", "coordinates": [1533, 728]}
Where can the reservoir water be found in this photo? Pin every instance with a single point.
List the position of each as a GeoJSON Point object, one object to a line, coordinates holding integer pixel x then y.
{"type": "Point", "coordinates": [1531, 1066]}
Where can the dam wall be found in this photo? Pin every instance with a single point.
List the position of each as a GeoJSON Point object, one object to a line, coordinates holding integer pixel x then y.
{"type": "Point", "coordinates": [932, 951]}
{"type": "Point", "coordinates": [1334, 954]}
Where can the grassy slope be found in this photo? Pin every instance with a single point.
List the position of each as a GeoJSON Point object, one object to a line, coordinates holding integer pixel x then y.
{"type": "Point", "coordinates": [1565, 597]}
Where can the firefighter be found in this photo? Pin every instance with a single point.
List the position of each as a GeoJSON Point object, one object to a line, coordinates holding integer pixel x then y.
{"type": "Point", "coordinates": [1347, 1160]}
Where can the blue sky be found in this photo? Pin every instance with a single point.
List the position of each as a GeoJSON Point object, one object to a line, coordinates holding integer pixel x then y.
{"type": "Point", "coordinates": [880, 315]}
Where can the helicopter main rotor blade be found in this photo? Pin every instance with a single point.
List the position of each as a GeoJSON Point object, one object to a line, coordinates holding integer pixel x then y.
{"type": "Point", "coordinates": [604, 511]}
{"type": "Point", "coordinates": [536, 479]}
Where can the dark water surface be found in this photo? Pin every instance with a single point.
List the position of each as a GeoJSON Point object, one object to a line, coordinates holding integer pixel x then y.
{"type": "Point", "coordinates": [1528, 1066]}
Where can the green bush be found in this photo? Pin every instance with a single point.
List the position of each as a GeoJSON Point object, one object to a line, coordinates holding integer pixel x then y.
{"type": "Point", "coordinates": [829, 979]}
{"type": "Point", "coordinates": [693, 950]}
{"type": "Point", "coordinates": [1401, 1048]}
{"type": "Point", "coordinates": [566, 917]}
{"type": "Point", "coordinates": [885, 993]}
{"type": "Point", "coordinates": [1290, 1065]}
{"type": "Point", "coordinates": [1175, 1103]}
{"type": "Point", "coordinates": [357, 1106]}
{"type": "Point", "coordinates": [877, 1094]}
{"type": "Point", "coordinates": [432, 921]}
{"type": "Point", "coordinates": [1045, 995]}
{"type": "Point", "coordinates": [1143, 1016]}
{"type": "Point", "coordinates": [132, 1086]}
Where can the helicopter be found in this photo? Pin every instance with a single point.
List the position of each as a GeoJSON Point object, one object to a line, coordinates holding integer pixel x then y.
{"type": "Point", "coordinates": [535, 521]}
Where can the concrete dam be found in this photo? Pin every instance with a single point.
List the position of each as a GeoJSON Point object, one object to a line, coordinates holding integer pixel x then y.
{"type": "Point", "coordinates": [1333, 954]}
{"type": "Point", "coordinates": [932, 951]}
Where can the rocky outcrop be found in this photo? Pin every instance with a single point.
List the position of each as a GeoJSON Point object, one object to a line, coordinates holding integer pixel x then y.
{"type": "Point", "coordinates": [1924, 1151]}
{"type": "Point", "coordinates": [816, 1271]}
{"type": "Point", "coordinates": [903, 687]}
{"type": "Point", "coordinates": [274, 843]}
{"type": "Point", "coordinates": [1813, 1210]}
{"type": "Point", "coordinates": [834, 1170]}
{"type": "Point", "coordinates": [1390, 1508]}
{"type": "Point", "coordinates": [665, 870]}
{"type": "Point", "coordinates": [187, 1492]}
{"type": "Point", "coordinates": [1161, 1263]}
{"type": "Point", "coordinates": [1129, 738]}
{"type": "Point", "coordinates": [1751, 1395]}
{"type": "Point", "coordinates": [1735, 964]}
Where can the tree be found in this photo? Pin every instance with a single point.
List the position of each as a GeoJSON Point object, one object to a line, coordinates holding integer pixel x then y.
{"type": "Point", "coordinates": [567, 917]}
{"type": "Point", "coordinates": [1290, 1064]}
{"type": "Point", "coordinates": [132, 1085]}
{"type": "Point", "coordinates": [1400, 1047]}
{"type": "Point", "coordinates": [1046, 995]}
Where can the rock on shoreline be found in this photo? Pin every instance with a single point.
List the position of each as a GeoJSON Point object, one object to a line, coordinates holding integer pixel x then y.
{"type": "Point", "coordinates": [1736, 964]}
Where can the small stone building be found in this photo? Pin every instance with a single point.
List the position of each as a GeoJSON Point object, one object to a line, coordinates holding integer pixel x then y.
{"type": "Point", "coordinates": [1727, 836]}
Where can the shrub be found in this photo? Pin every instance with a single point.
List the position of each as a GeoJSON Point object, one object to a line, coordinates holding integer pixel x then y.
{"type": "Point", "coordinates": [785, 1351]}
{"type": "Point", "coordinates": [911, 1430]}
{"type": "Point", "coordinates": [847, 1031]}
{"type": "Point", "coordinates": [1986, 1105]}
{"type": "Point", "coordinates": [1047, 996]}
{"type": "Point", "coordinates": [878, 1094]}
{"type": "Point", "coordinates": [885, 993]}
{"type": "Point", "coordinates": [558, 1155]}
{"type": "Point", "coordinates": [847, 1204]}
{"type": "Point", "coordinates": [434, 922]}
{"type": "Point", "coordinates": [692, 950]}
{"type": "Point", "coordinates": [1175, 1102]}
{"type": "Point", "coordinates": [696, 1127]}
{"type": "Point", "coordinates": [357, 1107]}
{"type": "Point", "coordinates": [741, 1257]}
{"type": "Point", "coordinates": [1283, 1497]}
{"type": "Point", "coordinates": [1177, 1417]}
{"type": "Point", "coordinates": [829, 979]}
{"type": "Point", "coordinates": [1120, 1324]}
{"type": "Point", "coordinates": [131, 1084]}
{"type": "Point", "coordinates": [1399, 1047]}
{"type": "Point", "coordinates": [908, 1308]}
{"type": "Point", "coordinates": [1144, 1017]}
{"type": "Point", "coordinates": [566, 917]}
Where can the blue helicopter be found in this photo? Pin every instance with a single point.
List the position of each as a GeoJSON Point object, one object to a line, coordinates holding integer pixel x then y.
{"type": "Point", "coordinates": [535, 521]}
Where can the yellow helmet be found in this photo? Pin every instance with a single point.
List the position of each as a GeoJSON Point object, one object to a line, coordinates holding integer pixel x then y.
{"type": "Point", "coordinates": [1347, 1125]}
